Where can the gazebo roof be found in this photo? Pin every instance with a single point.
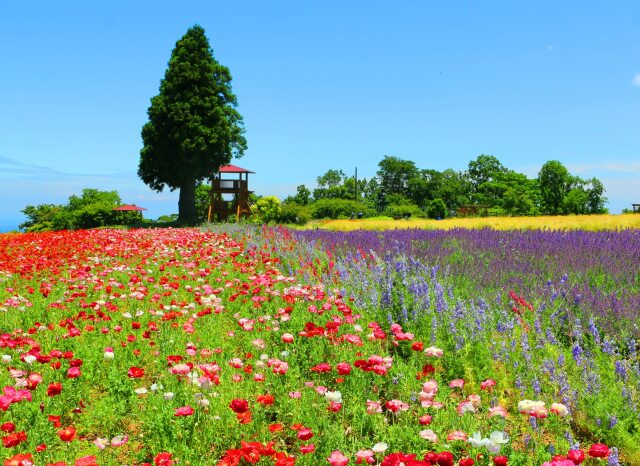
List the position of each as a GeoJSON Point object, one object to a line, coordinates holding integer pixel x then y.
{"type": "Point", "coordinates": [127, 207]}
{"type": "Point", "coordinates": [233, 169]}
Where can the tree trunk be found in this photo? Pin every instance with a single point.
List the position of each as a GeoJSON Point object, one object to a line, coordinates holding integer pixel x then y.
{"type": "Point", "coordinates": [187, 203]}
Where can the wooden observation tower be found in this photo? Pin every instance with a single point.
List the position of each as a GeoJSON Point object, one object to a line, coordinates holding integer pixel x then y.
{"type": "Point", "coordinates": [229, 196]}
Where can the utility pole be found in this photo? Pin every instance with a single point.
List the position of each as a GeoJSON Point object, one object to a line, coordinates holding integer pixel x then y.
{"type": "Point", "coordinates": [356, 186]}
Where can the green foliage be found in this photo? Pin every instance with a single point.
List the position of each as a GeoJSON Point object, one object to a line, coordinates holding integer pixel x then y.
{"type": "Point", "coordinates": [293, 214]}
{"type": "Point", "coordinates": [266, 209]}
{"type": "Point", "coordinates": [394, 175]}
{"type": "Point", "coordinates": [486, 187]}
{"type": "Point", "coordinates": [168, 218]}
{"type": "Point", "coordinates": [194, 127]}
{"type": "Point", "coordinates": [203, 201]}
{"type": "Point", "coordinates": [484, 169]}
{"type": "Point", "coordinates": [398, 211]}
{"type": "Point", "coordinates": [555, 182]}
{"type": "Point", "coordinates": [302, 196]}
{"type": "Point", "coordinates": [338, 208]}
{"type": "Point", "coordinates": [437, 209]}
{"type": "Point", "coordinates": [40, 217]}
{"type": "Point", "coordinates": [93, 209]}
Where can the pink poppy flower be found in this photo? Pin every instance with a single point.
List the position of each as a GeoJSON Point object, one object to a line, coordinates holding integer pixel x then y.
{"type": "Point", "coordinates": [184, 411]}
{"type": "Point", "coordinates": [456, 383]}
{"type": "Point", "coordinates": [457, 435]}
{"type": "Point", "coordinates": [433, 351]}
{"type": "Point", "coordinates": [306, 449]}
{"type": "Point", "coordinates": [337, 458]}
{"type": "Point", "coordinates": [497, 411]}
{"type": "Point", "coordinates": [430, 386]}
{"type": "Point", "coordinates": [487, 384]}
{"type": "Point", "coordinates": [365, 456]}
{"type": "Point", "coordinates": [120, 440]}
{"type": "Point", "coordinates": [429, 435]}
{"type": "Point", "coordinates": [373, 407]}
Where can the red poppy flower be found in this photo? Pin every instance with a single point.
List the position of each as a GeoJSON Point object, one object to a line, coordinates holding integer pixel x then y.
{"type": "Point", "coordinates": [54, 389]}
{"type": "Point", "coordinates": [599, 450]}
{"type": "Point", "coordinates": [86, 461]}
{"type": "Point", "coordinates": [275, 428]}
{"type": "Point", "coordinates": [500, 460]}
{"type": "Point", "coordinates": [239, 406]}
{"type": "Point", "coordinates": [445, 458]}
{"type": "Point", "coordinates": [265, 400]}
{"type": "Point", "coordinates": [577, 456]}
{"type": "Point", "coordinates": [8, 427]}
{"type": "Point", "coordinates": [135, 372]}
{"type": "Point", "coordinates": [21, 459]}
{"type": "Point", "coordinates": [14, 439]}
{"type": "Point", "coordinates": [67, 434]}
{"type": "Point", "coordinates": [163, 459]}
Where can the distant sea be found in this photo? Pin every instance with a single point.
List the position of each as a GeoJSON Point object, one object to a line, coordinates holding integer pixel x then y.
{"type": "Point", "coordinates": [7, 226]}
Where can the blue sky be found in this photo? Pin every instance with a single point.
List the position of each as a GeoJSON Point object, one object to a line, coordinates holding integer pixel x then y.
{"type": "Point", "coordinates": [332, 84]}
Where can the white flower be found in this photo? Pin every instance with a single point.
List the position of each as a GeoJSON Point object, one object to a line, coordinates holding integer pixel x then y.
{"type": "Point", "coordinates": [108, 356]}
{"type": "Point", "coordinates": [499, 437]}
{"type": "Point", "coordinates": [336, 396]}
{"type": "Point", "coordinates": [433, 351]}
{"type": "Point", "coordinates": [559, 409]}
{"type": "Point", "coordinates": [380, 447]}
{"type": "Point", "coordinates": [491, 447]}
{"type": "Point", "coordinates": [476, 440]}
{"type": "Point", "coordinates": [30, 359]}
{"type": "Point", "coordinates": [168, 396]}
{"type": "Point", "coordinates": [140, 391]}
{"type": "Point", "coordinates": [429, 435]}
{"type": "Point", "coordinates": [6, 359]}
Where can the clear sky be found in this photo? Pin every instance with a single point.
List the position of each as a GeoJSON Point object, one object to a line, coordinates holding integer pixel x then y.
{"type": "Point", "coordinates": [331, 84]}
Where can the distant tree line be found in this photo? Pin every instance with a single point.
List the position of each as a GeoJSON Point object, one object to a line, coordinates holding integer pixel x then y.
{"type": "Point", "coordinates": [92, 209]}
{"type": "Point", "coordinates": [401, 189]}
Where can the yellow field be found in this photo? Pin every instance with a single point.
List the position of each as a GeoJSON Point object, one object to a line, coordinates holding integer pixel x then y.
{"type": "Point", "coordinates": [569, 222]}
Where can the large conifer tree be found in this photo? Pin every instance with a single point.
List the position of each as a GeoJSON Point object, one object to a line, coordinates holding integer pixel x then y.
{"type": "Point", "coordinates": [194, 127]}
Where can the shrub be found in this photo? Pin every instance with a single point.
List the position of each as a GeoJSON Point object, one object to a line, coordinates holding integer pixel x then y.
{"type": "Point", "coordinates": [266, 209]}
{"type": "Point", "coordinates": [338, 208]}
{"type": "Point", "coordinates": [437, 209]}
{"type": "Point", "coordinates": [293, 213]}
{"type": "Point", "coordinates": [403, 211]}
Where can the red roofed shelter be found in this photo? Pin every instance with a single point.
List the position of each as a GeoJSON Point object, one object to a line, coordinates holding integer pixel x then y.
{"type": "Point", "coordinates": [130, 208]}
{"type": "Point", "coordinates": [221, 209]}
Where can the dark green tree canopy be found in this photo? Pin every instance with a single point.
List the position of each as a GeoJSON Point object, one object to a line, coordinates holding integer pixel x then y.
{"type": "Point", "coordinates": [394, 174]}
{"type": "Point", "coordinates": [194, 127]}
{"type": "Point", "coordinates": [554, 181]}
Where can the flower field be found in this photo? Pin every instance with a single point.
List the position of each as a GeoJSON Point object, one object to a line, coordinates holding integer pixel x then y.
{"type": "Point", "coordinates": [237, 346]}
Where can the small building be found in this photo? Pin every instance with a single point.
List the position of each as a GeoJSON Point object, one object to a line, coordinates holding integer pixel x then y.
{"type": "Point", "coordinates": [635, 207]}
{"type": "Point", "coordinates": [229, 194]}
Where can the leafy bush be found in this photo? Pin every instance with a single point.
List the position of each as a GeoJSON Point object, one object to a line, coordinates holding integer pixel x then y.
{"type": "Point", "coordinates": [338, 208]}
{"type": "Point", "coordinates": [294, 213]}
{"type": "Point", "coordinates": [399, 211]}
{"type": "Point", "coordinates": [437, 209]}
{"type": "Point", "coordinates": [265, 210]}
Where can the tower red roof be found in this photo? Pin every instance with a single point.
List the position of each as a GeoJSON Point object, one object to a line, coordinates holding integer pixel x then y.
{"type": "Point", "coordinates": [233, 169]}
